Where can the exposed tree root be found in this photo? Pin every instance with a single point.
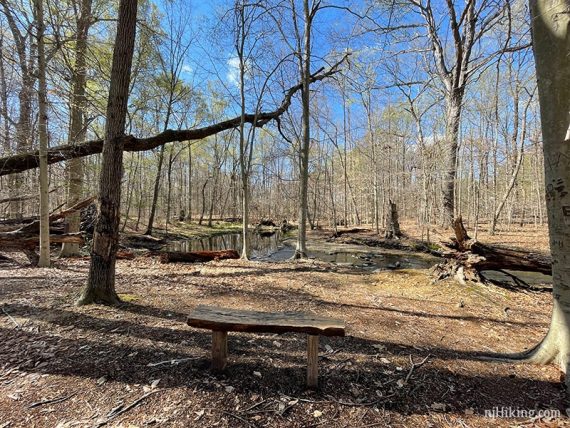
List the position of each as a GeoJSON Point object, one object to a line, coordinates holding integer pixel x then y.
{"type": "Point", "coordinates": [554, 348]}
{"type": "Point", "coordinates": [466, 259]}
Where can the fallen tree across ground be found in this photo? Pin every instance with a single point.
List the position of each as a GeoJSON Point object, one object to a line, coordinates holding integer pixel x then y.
{"type": "Point", "coordinates": [466, 259]}
{"type": "Point", "coordinates": [26, 238]}
{"type": "Point", "coordinates": [197, 256]}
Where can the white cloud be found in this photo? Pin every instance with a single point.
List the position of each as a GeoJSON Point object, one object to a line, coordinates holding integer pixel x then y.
{"type": "Point", "coordinates": [233, 71]}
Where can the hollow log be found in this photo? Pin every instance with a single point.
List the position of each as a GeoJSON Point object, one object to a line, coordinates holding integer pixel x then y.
{"type": "Point", "coordinates": [197, 256]}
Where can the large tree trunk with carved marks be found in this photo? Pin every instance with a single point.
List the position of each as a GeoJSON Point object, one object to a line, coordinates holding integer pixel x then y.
{"type": "Point", "coordinates": [551, 44]}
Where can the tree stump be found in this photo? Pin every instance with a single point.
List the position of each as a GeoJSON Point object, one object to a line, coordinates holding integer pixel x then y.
{"type": "Point", "coordinates": [392, 223]}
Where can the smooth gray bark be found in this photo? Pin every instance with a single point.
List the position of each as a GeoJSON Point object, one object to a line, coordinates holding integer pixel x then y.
{"type": "Point", "coordinates": [551, 44]}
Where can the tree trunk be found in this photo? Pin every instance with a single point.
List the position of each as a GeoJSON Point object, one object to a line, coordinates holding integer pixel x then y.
{"type": "Point", "coordinates": [453, 112]}
{"type": "Point", "coordinates": [100, 285]}
{"type": "Point", "coordinates": [77, 130]}
{"type": "Point", "coordinates": [44, 260]}
{"type": "Point", "coordinates": [4, 102]}
{"type": "Point", "coordinates": [169, 186]}
{"type": "Point", "coordinates": [305, 67]}
{"type": "Point", "coordinates": [189, 216]}
{"type": "Point", "coordinates": [25, 94]}
{"type": "Point", "coordinates": [551, 45]}
{"type": "Point", "coordinates": [392, 223]}
{"type": "Point", "coordinates": [516, 169]}
{"type": "Point", "coordinates": [203, 212]}
{"type": "Point", "coordinates": [150, 225]}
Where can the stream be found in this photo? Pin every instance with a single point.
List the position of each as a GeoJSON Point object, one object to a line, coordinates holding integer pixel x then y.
{"type": "Point", "coordinates": [263, 244]}
{"type": "Point", "coordinates": [274, 246]}
{"type": "Point", "coordinates": [278, 246]}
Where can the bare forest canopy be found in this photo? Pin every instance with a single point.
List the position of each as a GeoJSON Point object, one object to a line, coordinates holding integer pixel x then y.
{"type": "Point", "coordinates": [433, 108]}
{"type": "Point", "coordinates": [22, 162]}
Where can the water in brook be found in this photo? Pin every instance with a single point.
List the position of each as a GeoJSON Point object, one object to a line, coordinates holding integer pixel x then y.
{"type": "Point", "coordinates": [277, 246]}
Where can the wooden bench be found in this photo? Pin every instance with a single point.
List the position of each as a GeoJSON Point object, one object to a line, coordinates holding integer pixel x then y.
{"type": "Point", "coordinates": [222, 320]}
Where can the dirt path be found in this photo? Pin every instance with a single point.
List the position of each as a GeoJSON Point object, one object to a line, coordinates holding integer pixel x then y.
{"type": "Point", "coordinates": [96, 359]}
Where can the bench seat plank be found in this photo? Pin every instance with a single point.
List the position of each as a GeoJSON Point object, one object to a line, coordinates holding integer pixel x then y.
{"type": "Point", "coordinates": [223, 319]}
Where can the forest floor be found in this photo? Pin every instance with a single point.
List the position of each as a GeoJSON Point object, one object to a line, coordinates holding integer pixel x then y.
{"type": "Point", "coordinates": [139, 364]}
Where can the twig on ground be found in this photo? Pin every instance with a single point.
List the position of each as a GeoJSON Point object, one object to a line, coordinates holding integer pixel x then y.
{"type": "Point", "coordinates": [237, 417]}
{"type": "Point", "coordinates": [415, 366]}
{"type": "Point", "coordinates": [171, 362]}
{"type": "Point", "coordinates": [254, 406]}
{"type": "Point", "coordinates": [52, 401]}
{"type": "Point", "coordinates": [115, 414]}
{"type": "Point", "coordinates": [10, 316]}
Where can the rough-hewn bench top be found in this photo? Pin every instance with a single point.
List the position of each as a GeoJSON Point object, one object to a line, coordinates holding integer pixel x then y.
{"type": "Point", "coordinates": [223, 319]}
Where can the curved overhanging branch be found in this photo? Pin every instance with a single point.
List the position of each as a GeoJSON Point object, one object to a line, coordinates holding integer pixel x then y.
{"type": "Point", "coordinates": [30, 160]}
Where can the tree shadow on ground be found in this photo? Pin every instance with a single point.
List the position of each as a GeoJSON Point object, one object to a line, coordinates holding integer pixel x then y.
{"type": "Point", "coordinates": [345, 378]}
{"type": "Point", "coordinates": [269, 293]}
{"type": "Point", "coordinates": [355, 371]}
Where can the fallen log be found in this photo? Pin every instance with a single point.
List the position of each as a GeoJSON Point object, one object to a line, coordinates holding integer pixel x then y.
{"type": "Point", "coordinates": [467, 258]}
{"type": "Point", "coordinates": [339, 233]}
{"type": "Point", "coordinates": [27, 243]}
{"type": "Point", "coordinates": [498, 258]}
{"type": "Point", "coordinates": [17, 241]}
{"type": "Point", "coordinates": [125, 255]}
{"type": "Point", "coordinates": [147, 242]}
{"type": "Point", "coordinates": [197, 256]}
{"type": "Point", "coordinates": [266, 222]}
{"type": "Point", "coordinates": [26, 239]}
{"type": "Point", "coordinates": [33, 223]}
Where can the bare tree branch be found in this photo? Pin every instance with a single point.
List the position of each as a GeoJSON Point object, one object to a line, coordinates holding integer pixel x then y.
{"type": "Point", "coordinates": [30, 160]}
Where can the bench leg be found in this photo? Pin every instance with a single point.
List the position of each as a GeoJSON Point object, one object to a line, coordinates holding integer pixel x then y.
{"type": "Point", "coordinates": [219, 349]}
{"type": "Point", "coordinates": [312, 361]}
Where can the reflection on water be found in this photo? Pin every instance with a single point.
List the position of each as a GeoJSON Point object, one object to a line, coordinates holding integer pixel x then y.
{"type": "Point", "coordinates": [373, 261]}
{"type": "Point", "coordinates": [277, 246]}
{"type": "Point", "coordinates": [273, 246]}
{"type": "Point", "coordinates": [535, 279]}
{"type": "Point", "coordinates": [263, 244]}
